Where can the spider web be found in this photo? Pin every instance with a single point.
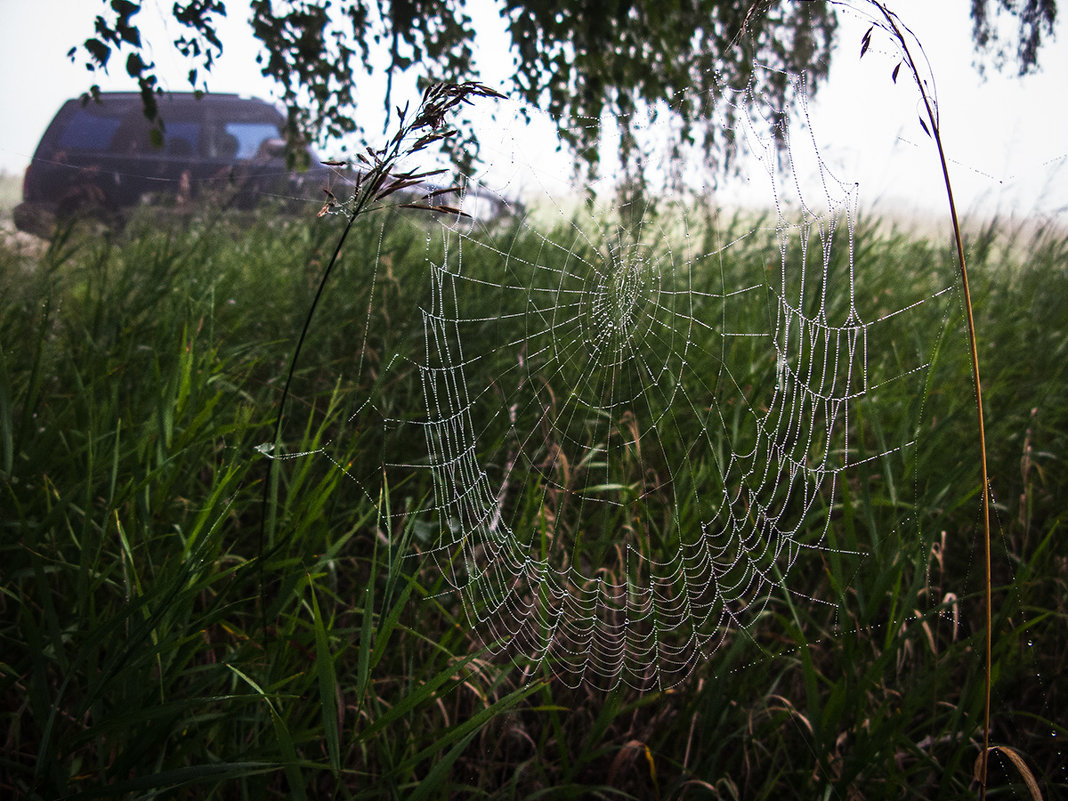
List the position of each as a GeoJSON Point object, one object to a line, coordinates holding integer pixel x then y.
{"type": "Point", "coordinates": [635, 436]}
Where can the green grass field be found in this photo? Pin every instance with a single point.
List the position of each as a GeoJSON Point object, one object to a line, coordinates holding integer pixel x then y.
{"type": "Point", "coordinates": [160, 639]}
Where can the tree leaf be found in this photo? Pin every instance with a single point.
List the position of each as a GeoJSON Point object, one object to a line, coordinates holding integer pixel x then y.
{"type": "Point", "coordinates": [135, 65]}
{"type": "Point", "coordinates": [99, 51]}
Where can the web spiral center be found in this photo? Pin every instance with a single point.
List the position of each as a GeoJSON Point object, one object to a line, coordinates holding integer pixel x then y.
{"type": "Point", "coordinates": [621, 299]}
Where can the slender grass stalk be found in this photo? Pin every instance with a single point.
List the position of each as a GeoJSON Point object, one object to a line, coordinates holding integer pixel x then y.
{"type": "Point", "coordinates": [901, 34]}
{"type": "Point", "coordinates": [377, 180]}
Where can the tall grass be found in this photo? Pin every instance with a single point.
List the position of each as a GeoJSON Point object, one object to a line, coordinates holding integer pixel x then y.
{"type": "Point", "coordinates": [139, 373]}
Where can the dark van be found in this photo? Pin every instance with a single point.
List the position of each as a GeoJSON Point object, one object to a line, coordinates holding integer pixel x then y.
{"type": "Point", "coordinates": [98, 158]}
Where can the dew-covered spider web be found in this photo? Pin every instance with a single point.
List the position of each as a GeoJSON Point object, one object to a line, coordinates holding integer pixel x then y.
{"type": "Point", "coordinates": [639, 416]}
{"type": "Point", "coordinates": [640, 413]}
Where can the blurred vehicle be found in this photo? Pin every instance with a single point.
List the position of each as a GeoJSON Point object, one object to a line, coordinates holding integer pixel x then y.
{"type": "Point", "coordinates": [97, 158]}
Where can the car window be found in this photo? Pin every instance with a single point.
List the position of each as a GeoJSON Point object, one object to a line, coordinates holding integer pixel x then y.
{"type": "Point", "coordinates": [88, 131]}
{"type": "Point", "coordinates": [249, 136]}
{"type": "Point", "coordinates": [182, 138]}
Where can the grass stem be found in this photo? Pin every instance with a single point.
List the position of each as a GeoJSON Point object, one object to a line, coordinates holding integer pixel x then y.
{"type": "Point", "coordinates": [898, 29]}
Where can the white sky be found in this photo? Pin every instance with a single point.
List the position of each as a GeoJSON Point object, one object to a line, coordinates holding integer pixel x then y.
{"type": "Point", "coordinates": [1008, 137]}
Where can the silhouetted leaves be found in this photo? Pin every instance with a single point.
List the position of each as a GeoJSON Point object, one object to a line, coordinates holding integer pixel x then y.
{"type": "Point", "coordinates": [1035, 24]}
{"type": "Point", "coordinates": [98, 50]}
{"type": "Point", "coordinates": [575, 59]}
{"type": "Point", "coordinates": [134, 65]}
